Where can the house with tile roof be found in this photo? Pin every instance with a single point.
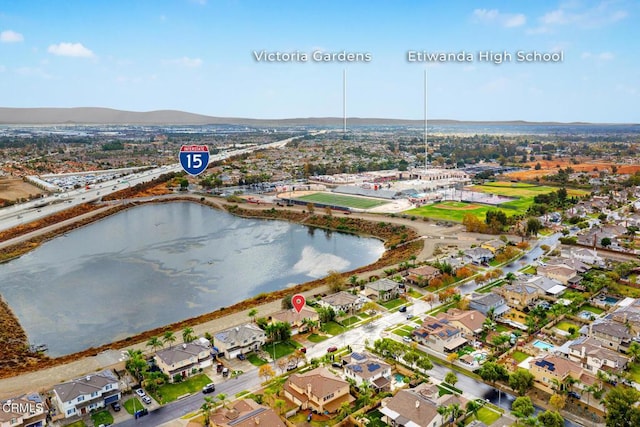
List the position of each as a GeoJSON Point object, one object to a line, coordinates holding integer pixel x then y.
{"type": "Point", "coordinates": [519, 295]}
{"type": "Point", "coordinates": [183, 360]}
{"type": "Point", "coordinates": [343, 301]}
{"type": "Point", "coordinates": [439, 335]}
{"type": "Point", "coordinates": [240, 340]}
{"type": "Point", "coordinates": [83, 395]}
{"type": "Point", "coordinates": [318, 390]}
{"type": "Point", "coordinates": [469, 322]}
{"type": "Point", "coordinates": [422, 275]}
{"type": "Point", "coordinates": [418, 407]}
{"type": "Point", "coordinates": [610, 333]}
{"type": "Point", "coordinates": [362, 367]}
{"type": "Point", "coordinates": [246, 413]}
{"type": "Point", "coordinates": [29, 410]}
{"type": "Point", "coordinates": [382, 290]}
{"type": "Point", "coordinates": [592, 356]}
{"type": "Point", "coordinates": [295, 319]}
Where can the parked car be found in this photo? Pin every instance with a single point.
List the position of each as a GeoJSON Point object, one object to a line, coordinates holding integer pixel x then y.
{"type": "Point", "coordinates": [292, 365]}
{"type": "Point", "coordinates": [209, 388]}
{"type": "Point", "coordinates": [406, 339]}
{"type": "Point", "coordinates": [140, 392]}
{"type": "Point", "coordinates": [409, 316]}
{"type": "Point", "coordinates": [303, 349]}
{"type": "Point", "coordinates": [242, 356]}
{"type": "Point", "coordinates": [574, 395]}
{"type": "Point", "coordinates": [332, 349]}
{"type": "Point", "coordinates": [403, 309]}
{"type": "Point", "coordinates": [141, 413]}
{"type": "Point", "coordinates": [337, 365]}
{"type": "Point", "coordinates": [116, 406]}
{"type": "Point", "coordinates": [146, 399]}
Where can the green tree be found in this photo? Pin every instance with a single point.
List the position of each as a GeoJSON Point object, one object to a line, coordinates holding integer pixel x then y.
{"type": "Point", "coordinates": [206, 408]}
{"type": "Point", "coordinates": [605, 242]}
{"type": "Point", "coordinates": [424, 363]}
{"type": "Point", "coordinates": [551, 419]}
{"type": "Point", "coordinates": [184, 183]}
{"type": "Point", "coordinates": [621, 407]}
{"type": "Point", "coordinates": [344, 411]}
{"type": "Point", "coordinates": [521, 381]}
{"type": "Point", "coordinates": [533, 226]}
{"type": "Point", "coordinates": [472, 408]}
{"type": "Point", "coordinates": [187, 335]}
{"type": "Point", "coordinates": [154, 343]}
{"type": "Point", "coordinates": [522, 407]}
{"type": "Point", "coordinates": [136, 363]}
{"type": "Point", "coordinates": [252, 314]}
{"type": "Point", "coordinates": [451, 378]}
{"type": "Point", "coordinates": [492, 372]}
{"type": "Point", "coordinates": [169, 337]}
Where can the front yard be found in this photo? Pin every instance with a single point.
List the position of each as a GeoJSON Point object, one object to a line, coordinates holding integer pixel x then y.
{"type": "Point", "coordinates": [170, 392]}
{"type": "Point", "coordinates": [280, 349]}
{"type": "Point", "coordinates": [132, 405]}
{"type": "Point", "coordinates": [102, 417]}
{"type": "Point", "coordinates": [391, 304]}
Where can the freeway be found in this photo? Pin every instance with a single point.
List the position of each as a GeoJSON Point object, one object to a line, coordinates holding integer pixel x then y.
{"type": "Point", "coordinates": [23, 213]}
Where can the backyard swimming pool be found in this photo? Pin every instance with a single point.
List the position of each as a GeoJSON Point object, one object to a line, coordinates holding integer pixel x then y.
{"type": "Point", "coordinates": [543, 345]}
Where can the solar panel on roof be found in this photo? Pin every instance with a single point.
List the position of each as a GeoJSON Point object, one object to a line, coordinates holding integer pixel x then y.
{"type": "Point", "coordinates": [372, 367]}
{"type": "Point", "coordinates": [357, 356]}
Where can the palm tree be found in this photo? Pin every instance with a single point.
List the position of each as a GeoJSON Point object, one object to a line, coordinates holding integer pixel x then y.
{"type": "Point", "coordinates": [344, 411]}
{"type": "Point", "coordinates": [252, 314]}
{"type": "Point", "coordinates": [206, 408]}
{"type": "Point", "coordinates": [444, 411]}
{"type": "Point", "coordinates": [223, 399]}
{"type": "Point", "coordinates": [472, 408]}
{"type": "Point", "coordinates": [366, 394]}
{"type": "Point", "coordinates": [455, 411]}
{"type": "Point", "coordinates": [169, 337]}
{"type": "Point", "coordinates": [154, 343]}
{"type": "Point", "coordinates": [510, 277]}
{"type": "Point", "coordinates": [634, 351]}
{"type": "Point", "coordinates": [187, 335]}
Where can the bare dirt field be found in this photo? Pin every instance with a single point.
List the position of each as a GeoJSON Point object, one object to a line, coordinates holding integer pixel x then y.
{"type": "Point", "coordinates": [550, 167]}
{"type": "Point", "coordinates": [15, 188]}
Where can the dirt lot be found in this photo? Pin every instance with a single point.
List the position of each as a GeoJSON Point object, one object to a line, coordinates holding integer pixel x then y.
{"type": "Point", "coordinates": [15, 188]}
{"type": "Point", "coordinates": [550, 167]}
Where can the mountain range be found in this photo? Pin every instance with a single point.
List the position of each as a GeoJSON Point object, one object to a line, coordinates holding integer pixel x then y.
{"type": "Point", "coordinates": [108, 116]}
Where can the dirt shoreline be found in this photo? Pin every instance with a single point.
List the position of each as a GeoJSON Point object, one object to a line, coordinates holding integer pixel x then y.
{"type": "Point", "coordinates": [400, 243]}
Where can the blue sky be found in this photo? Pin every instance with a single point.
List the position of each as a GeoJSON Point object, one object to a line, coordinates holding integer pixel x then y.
{"type": "Point", "coordinates": [197, 56]}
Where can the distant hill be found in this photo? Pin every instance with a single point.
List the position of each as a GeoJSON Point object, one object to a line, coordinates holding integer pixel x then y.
{"type": "Point", "coordinates": [108, 116]}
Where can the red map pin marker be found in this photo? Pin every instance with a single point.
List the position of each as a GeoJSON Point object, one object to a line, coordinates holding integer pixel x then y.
{"type": "Point", "coordinates": [298, 301]}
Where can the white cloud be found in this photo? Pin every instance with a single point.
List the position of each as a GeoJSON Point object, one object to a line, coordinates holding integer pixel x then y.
{"type": "Point", "coordinates": [186, 62]}
{"type": "Point", "coordinates": [76, 50]}
{"type": "Point", "coordinates": [604, 13]}
{"type": "Point", "coordinates": [493, 16]}
{"type": "Point", "coordinates": [9, 36]}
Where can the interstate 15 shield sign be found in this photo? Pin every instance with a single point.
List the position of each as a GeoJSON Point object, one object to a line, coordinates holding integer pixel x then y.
{"type": "Point", "coordinates": [194, 159]}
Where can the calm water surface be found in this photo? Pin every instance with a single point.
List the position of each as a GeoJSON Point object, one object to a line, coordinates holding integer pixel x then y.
{"type": "Point", "coordinates": [156, 264]}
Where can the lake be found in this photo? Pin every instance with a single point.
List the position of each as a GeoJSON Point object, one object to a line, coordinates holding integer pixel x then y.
{"type": "Point", "coordinates": [153, 265]}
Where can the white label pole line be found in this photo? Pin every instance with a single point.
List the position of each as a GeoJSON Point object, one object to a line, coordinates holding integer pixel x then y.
{"type": "Point", "coordinates": [426, 144]}
{"type": "Point", "coordinates": [344, 101]}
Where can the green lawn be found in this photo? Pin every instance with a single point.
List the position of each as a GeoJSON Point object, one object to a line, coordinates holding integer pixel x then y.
{"type": "Point", "coordinates": [519, 356]}
{"type": "Point", "coordinates": [564, 326]}
{"type": "Point", "coordinates": [501, 328]}
{"type": "Point", "coordinates": [332, 328]}
{"type": "Point", "coordinates": [414, 293]}
{"type": "Point", "coordinates": [363, 315]}
{"type": "Point", "coordinates": [255, 360]}
{"type": "Point", "coordinates": [78, 423]}
{"type": "Point", "coordinates": [407, 328]}
{"type": "Point", "coordinates": [375, 419]}
{"type": "Point", "coordinates": [450, 211]}
{"type": "Point", "coordinates": [402, 333]}
{"type": "Point", "coordinates": [594, 310]}
{"type": "Point", "coordinates": [170, 392]}
{"type": "Point", "coordinates": [391, 304]}
{"type": "Point", "coordinates": [102, 417]}
{"type": "Point", "coordinates": [132, 405]}
{"type": "Point", "coordinates": [342, 200]}
{"type": "Point", "coordinates": [315, 338]}
{"type": "Point", "coordinates": [513, 189]}
{"type": "Point", "coordinates": [350, 321]}
{"type": "Point", "coordinates": [281, 349]}
{"type": "Point", "coordinates": [488, 416]}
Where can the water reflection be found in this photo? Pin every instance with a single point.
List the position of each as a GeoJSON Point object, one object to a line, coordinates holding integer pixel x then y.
{"type": "Point", "coordinates": [157, 264]}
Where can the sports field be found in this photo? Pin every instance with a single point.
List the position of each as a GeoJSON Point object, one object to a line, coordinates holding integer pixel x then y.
{"type": "Point", "coordinates": [342, 200]}
{"type": "Point", "coordinates": [455, 211]}
{"type": "Point", "coordinates": [524, 194]}
{"type": "Point", "coordinates": [521, 190]}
